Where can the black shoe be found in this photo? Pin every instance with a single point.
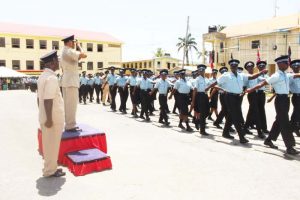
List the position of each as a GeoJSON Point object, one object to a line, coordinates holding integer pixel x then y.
{"type": "Point", "coordinates": [161, 121]}
{"type": "Point", "coordinates": [148, 119]}
{"type": "Point", "coordinates": [227, 136]}
{"type": "Point", "coordinates": [136, 116]}
{"type": "Point", "coordinates": [189, 129]}
{"type": "Point", "coordinates": [132, 113]}
{"type": "Point", "coordinates": [261, 136]}
{"type": "Point", "coordinates": [151, 114]}
{"type": "Point", "coordinates": [248, 132]}
{"type": "Point", "coordinates": [209, 118]}
{"type": "Point", "coordinates": [204, 133]}
{"type": "Point", "coordinates": [167, 123]}
{"type": "Point", "coordinates": [142, 117]}
{"type": "Point", "coordinates": [175, 112]}
{"type": "Point", "coordinates": [197, 126]}
{"type": "Point", "coordinates": [292, 151]}
{"type": "Point", "coordinates": [181, 126]}
{"type": "Point", "coordinates": [244, 141]}
{"type": "Point", "coordinates": [297, 132]}
{"type": "Point", "coordinates": [270, 144]}
{"type": "Point", "coordinates": [252, 127]}
{"type": "Point", "coordinates": [266, 131]}
{"type": "Point", "coordinates": [231, 130]}
{"type": "Point", "coordinates": [124, 112]}
{"type": "Point", "coordinates": [168, 112]}
{"type": "Point", "coordinates": [218, 126]}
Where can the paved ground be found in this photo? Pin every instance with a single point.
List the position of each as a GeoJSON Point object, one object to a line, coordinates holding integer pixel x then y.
{"type": "Point", "coordinates": [149, 162]}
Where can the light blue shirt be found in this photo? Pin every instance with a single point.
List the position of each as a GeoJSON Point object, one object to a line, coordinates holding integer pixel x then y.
{"type": "Point", "coordinates": [183, 87]}
{"type": "Point", "coordinates": [121, 81]}
{"type": "Point", "coordinates": [162, 86]}
{"type": "Point", "coordinates": [144, 84]}
{"type": "Point", "coordinates": [251, 83]}
{"type": "Point", "coordinates": [280, 82]}
{"type": "Point", "coordinates": [201, 84]}
{"type": "Point", "coordinates": [132, 81]}
{"type": "Point", "coordinates": [294, 84]}
{"type": "Point", "coordinates": [262, 78]}
{"type": "Point", "coordinates": [98, 80]}
{"type": "Point", "coordinates": [83, 80]}
{"type": "Point", "coordinates": [111, 79]}
{"type": "Point", "coordinates": [231, 83]}
{"type": "Point", "coordinates": [193, 81]}
{"type": "Point", "coordinates": [90, 81]}
{"type": "Point", "coordinates": [212, 80]}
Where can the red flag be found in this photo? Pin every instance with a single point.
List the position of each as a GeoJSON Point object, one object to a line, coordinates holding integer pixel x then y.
{"type": "Point", "coordinates": [290, 54]}
{"type": "Point", "coordinates": [258, 55]}
{"type": "Point", "coordinates": [211, 59]}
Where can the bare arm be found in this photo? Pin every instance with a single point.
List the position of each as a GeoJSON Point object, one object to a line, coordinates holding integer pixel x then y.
{"type": "Point", "coordinates": [254, 76]}
{"type": "Point", "coordinates": [48, 104]}
{"type": "Point", "coordinates": [256, 87]}
{"type": "Point", "coordinates": [172, 93]}
{"type": "Point", "coordinates": [82, 54]}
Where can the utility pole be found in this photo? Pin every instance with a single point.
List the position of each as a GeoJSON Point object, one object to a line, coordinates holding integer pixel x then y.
{"type": "Point", "coordinates": [275, 8]}
{"type": "Point", "coordinates": [185, 41]}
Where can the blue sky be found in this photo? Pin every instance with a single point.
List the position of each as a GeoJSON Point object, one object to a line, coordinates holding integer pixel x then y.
{"type": "Point", "coordinates": [143, 25]}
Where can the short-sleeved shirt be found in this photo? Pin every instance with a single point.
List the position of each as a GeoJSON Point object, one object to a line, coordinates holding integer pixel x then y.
{"type": "Point", "coordinates": [144, 83]}
{"type": "Point", "coordinates": [162, 86]}
{"type": "Point", "coordinates": [83, 80]}
{"type": "Point", "coordinates": [183, 86]}
{"type": "Point", "coordinates": [231, 83]}
{"type": "Point", "coordinates": [98, 80]}
{"type": "Point", "coordinates": [193, 81]}
{"type": "Point", "coordinates": [280, 82]}
{"type": "Point", "coordinates": [69, 64]}
{"type": "Point", "coordinates": [121, 81]}
{"type": "Point", "coordinates": [294, 84]}
{"type": "Point", "coordinates": [252, 83]}
{"type": "Point", "coordinates": [90, 81]}
{"type": "Point", "coordinates": [262, 78]}
{"type": "Point", "coordinates": [132, 80]}
{"type": "Point", "coordinates": [201, 84]}
{"type": "Point", "coordinates": [48, 88]}
{"type": "Point", "coordinates": [111, 79]}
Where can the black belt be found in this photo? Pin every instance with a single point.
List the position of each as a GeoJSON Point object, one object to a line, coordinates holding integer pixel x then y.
{"type": "Point", "coordinates": [233, 94]}
{"type": "Point", "coordinates": [282, 95]}
{"type": "Point", "coordinates": [201, 92]}
{"type": "Point", "coordinates": [260, 91]}
{"type": "Point", "coordinates": [184, 94]}
{"type": "Point", "coordinates": [163, 95]}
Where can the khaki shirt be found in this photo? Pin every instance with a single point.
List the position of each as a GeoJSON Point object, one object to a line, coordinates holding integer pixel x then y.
{"type": "Point", "coordinates": [48, 88]}
{"type": "Point", "coordinates": [69, 65]}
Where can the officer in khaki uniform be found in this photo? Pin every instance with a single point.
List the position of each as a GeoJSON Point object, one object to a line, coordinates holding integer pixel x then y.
{"type": "Point", "coordinates": [70, 80]}
{"type": "Point", "coordinates": [51, 114]}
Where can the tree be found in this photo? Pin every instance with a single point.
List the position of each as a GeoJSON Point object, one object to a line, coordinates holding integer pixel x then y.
{"type": "Point", "coordinates": [187, 44]}
{"type": "Point", "coordinates": [220, 28]}
{"type": "Point", "coordinates": [159, 53]}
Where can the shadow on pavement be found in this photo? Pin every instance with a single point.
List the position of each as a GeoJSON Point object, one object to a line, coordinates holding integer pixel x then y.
{"type": "Point", "coordinates": [49, 186]}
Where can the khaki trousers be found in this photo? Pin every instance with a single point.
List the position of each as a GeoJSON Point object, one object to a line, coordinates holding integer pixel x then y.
{"type": "Point", "coordinates": [51, 138]}
{"type": "Point", "coordinates": [70, 95]}
{"type": "Point", "coordinates": [105, 93]}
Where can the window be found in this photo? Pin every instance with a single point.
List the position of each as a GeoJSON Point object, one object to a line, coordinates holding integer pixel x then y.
{"type": "Point", "coordinates": [141, 65]}
{"type": "Point", "coordinates": [169, 65]}
{"type": "Point", "coordinates": [158, 63]}
{"type": "Point", "coordinates": [150, 64]}
{"type": "Point", "coordinates": [136, 65]}
{"type": "Point", "coordinates": [29, 44]}
{"type": "Point", "coordinates": [90, 66]}
{"type": "Point", "coordinates": [100, 65]}
{"type": "Point", "coordinates": [2, 63]}
{"type": "Point", "coordinates": [255, 44]}
{"type": "Point", "coordinates": [15, 43]}
{"type": "Point", "coordinates": [221, 47]}
{"type": "Point", "coordinates": [2, 41]}
{"type": "Point", "coordinates": [29, 65]}
{"type": "Point", "coordinates": [89, 46]}
{"type": "Point", "coordinates": [43, 44]}
{"type": "Point", "coordinates": [42, 65]}
{"type": "Point", "coordinates": [114, 45]}
{"type": "Point", "coordinates": [16, 65]}
{"type": "Point", "coordinates": [100, 47]}
{"type": "Point", "coordinates": [77, 49]}
{"type": "Point", "coordinates": [174, 65]}
{"type": "Point", "coordinates": [145, 64]}
{"type": "Point", "coordinates": [55, 45]}
{"type": "Point", "coordinates": [131, 65]}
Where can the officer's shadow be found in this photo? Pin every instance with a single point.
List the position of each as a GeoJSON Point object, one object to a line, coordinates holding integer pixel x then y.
{"type": "Point", "coordinates": [49, 186]}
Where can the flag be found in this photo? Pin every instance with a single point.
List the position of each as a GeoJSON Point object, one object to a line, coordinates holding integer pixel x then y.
{"type": "Point", "coordinates": [258, 55]}
{"type": "Point", "coordinates": [289, 54]}
{"type": "Point", "coordinates": [212, 58]}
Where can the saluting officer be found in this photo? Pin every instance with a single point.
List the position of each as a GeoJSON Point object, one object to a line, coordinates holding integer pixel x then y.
{"type": "Point", "coordinates": [232, 83]}
{"type": "Point", "coordinates": [280, 82]}
{"type": "Point", "coordinates": [123, 91]}
{"type": "Point", "coordinates": [253, 116]}
{"type": "Point", "coordinates": [51, 114]}
{"type": "Point", "coordinates": [295, 90]}
{"type": "Point", "coordinates": [162, 86]}
{"type": "Point", "coordinates": [98, 87]}
{"type": "Point", "coordinates": [183, 87]}
{"type": "Point", "coordinates": [70, 80]}
{"type": "Point", "coordinates": [111, 80]}
{"type": "Point", "coordinates": [200, 101]}
{"type": "Point", "coordinates": [261, 96]}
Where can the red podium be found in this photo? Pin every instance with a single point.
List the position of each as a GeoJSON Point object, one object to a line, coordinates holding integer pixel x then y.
{"type": "Point", "coordinates": [82, 152]}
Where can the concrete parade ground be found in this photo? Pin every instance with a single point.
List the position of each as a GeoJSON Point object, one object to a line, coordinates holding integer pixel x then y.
{"type": "Point", "coordinates": [149, 160]}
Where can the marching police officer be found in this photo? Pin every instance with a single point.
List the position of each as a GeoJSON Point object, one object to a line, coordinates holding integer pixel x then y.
{"type": "Point", "coordinates": [83, 90]}
{"type": "Point", "coordinates": [90, 85]}
{"type": "Point", "coordinates": [111, 80]}
{"type": "Point", "coordinates": [98, 87]}
{"type": "Point", "coordinates": [280, 82]}
{"type": "Point", "coordinates": [123, 90]}
{"type": "Point", "coordinates": [132, 81]}
{"type": "Point", "coordinates": [162, 86]}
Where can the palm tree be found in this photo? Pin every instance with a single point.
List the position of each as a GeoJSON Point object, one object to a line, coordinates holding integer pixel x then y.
{"type": "Point", "coordinates": [159, 53]}
{"type": "Point", "coordinates": [187, 44]}
{"type": "Point", "coordinates": [220, 28]}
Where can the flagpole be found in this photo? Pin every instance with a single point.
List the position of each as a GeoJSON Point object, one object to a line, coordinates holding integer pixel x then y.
{"type": "Point", "coordinates": [186, 35]}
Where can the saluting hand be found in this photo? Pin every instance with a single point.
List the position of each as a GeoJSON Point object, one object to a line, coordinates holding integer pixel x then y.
{"type": "Point", "coordinates": [49, 123]}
